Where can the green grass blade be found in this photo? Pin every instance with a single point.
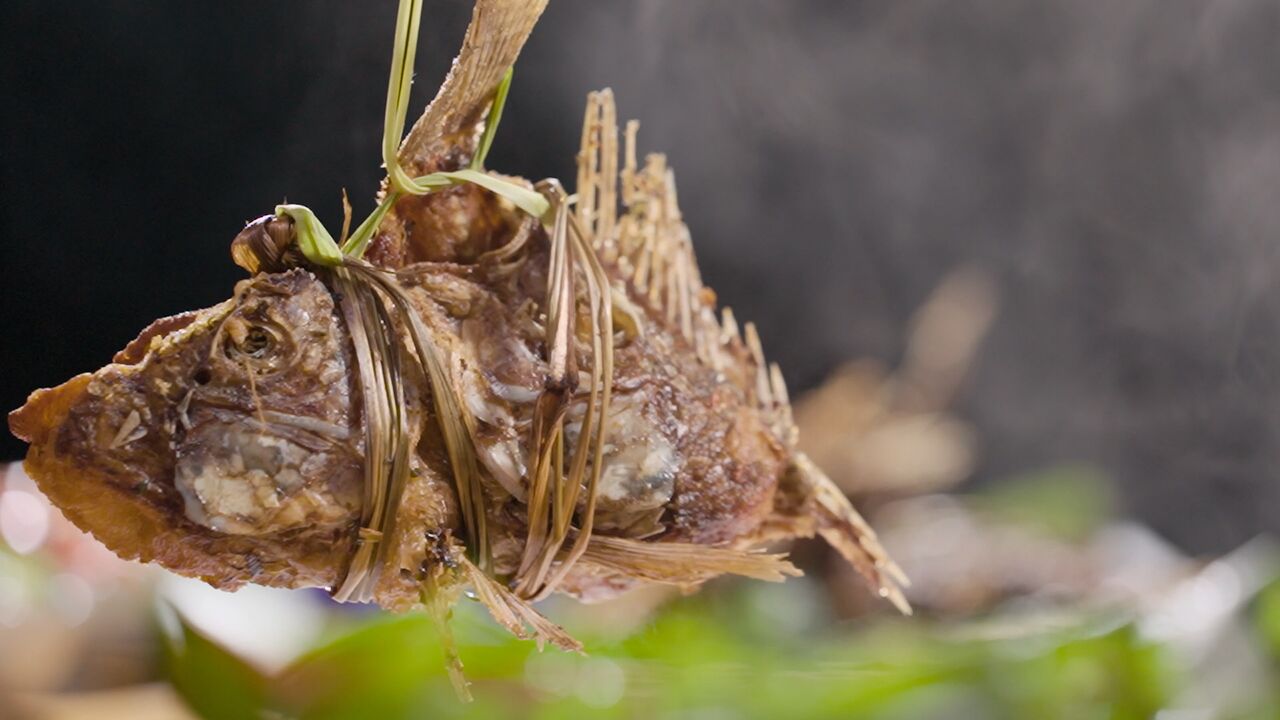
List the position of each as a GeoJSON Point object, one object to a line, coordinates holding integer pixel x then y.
{"type": "Point", "coordinates": [491, 124]}
{"type": "Point", "coordinates": [524, 198]}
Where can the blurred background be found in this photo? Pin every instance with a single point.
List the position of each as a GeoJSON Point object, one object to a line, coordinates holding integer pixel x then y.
{"type": "Point", "coordinates": [1017, 259]}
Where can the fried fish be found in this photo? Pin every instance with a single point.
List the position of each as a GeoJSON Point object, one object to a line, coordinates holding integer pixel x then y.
{"type": "Point", "coordinates": [523, 405]}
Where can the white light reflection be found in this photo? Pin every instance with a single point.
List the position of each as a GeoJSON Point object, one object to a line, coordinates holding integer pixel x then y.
{"type": "Point", "coordinates": [601, 682]}
{"type": "Point", "coordinates": [267, 626]}
{"type": "Point", "coordinates": [1193, 612]}
{"type": "Point", "coordinates": [15, 599]}
{"type": "Point", "coordinates": [24, 514]}
{"type": "Point", "coordinates": [73, 598]}
{"type": "Point", "coordinates": [550, 672]}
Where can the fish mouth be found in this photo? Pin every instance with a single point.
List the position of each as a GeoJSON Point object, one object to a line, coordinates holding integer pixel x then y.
{"type": "Point", "coordinates": [89, 492]}
{"type": "Point", "coordinates": [44, 410]}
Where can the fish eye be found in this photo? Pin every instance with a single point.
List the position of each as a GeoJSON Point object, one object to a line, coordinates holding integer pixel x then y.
{"type": "Point", "coordinates": [256, 342]}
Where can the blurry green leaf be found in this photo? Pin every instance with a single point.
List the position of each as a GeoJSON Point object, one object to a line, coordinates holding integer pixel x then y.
{"type": "Point", "coordinates": [215, 683]}
{"type": "Point", "coordinates": [702, 656]}
{"type": "Point", "coordinates": [382, 670]}
{"type": "Point", "coordinates": [1069, 501]}
{"type": "Point", "coordinates": [1267, 617]}
{"type": "Point", "coordinates": [394, 667]}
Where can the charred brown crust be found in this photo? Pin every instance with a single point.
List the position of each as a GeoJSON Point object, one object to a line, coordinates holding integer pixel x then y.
{"type": "Point", "coordinates": [119, 486]}
{"type": "Point", "coordinates": [137, 348]}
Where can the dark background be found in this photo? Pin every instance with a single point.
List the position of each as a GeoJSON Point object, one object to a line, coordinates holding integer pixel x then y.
{"type": "Point", "coordinates": [1115, 165]}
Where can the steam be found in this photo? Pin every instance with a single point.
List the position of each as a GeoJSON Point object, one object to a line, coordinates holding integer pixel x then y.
{"type": "Point", "coordinates": [1114, 165]}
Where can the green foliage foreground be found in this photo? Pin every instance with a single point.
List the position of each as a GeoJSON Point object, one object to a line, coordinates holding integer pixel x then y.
{"type": "Point", "coordinates": [701, 659]}
{"type": "Point", "coordinates": [752, 650]}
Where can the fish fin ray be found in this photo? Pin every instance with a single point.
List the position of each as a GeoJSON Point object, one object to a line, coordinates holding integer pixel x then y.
{"type": "Point", "coordinates": [684, 563]}
{"type": "Point", "coordinates": [849, 534]}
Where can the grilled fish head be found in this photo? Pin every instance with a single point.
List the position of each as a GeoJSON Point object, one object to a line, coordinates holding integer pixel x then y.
{"type": "Point", "coordinates": [223, 443]}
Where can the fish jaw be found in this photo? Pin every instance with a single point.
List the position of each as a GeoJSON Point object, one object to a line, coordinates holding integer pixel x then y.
{"type": "Point", "coordinates": [89, 493]}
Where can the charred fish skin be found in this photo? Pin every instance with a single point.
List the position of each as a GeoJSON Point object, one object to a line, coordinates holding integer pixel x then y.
{"type": "Point", "coordinates": [701, 444]}
{"type": "Point", "coordinates": [688, 459]}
